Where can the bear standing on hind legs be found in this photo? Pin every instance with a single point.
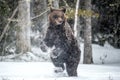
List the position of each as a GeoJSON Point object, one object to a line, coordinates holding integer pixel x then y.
{"type": "Point", "coordinates": [60, 35]}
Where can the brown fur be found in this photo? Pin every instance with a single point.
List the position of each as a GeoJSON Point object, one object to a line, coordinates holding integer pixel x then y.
{"type": "Point", "coordinates": [60, 35]}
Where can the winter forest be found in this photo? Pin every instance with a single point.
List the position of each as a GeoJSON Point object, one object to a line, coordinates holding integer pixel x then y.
{"type": "Point", "coordinates": [94, 25]}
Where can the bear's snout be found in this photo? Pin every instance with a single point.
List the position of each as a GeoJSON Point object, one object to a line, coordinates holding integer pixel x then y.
{"type": "Point", "coordinates": [59, 21]}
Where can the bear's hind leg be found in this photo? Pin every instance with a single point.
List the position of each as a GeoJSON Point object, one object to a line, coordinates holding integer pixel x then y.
{"type": "Point", "coordinates": [71, 68]}
{"type": "Point", "coordinates": [59, 65]}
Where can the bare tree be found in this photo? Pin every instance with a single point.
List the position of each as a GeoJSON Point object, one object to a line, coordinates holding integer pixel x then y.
{"type": "Point", "coordinates": [87, 36]}
{"type": "Point", "coordinates": [77, 25]}
{"type": "Point", "coordinates": [24, 25]}
{"type": "Point", "coordinates": [55, 3]}
{"type": "Point", "coordinates": [76, 19]}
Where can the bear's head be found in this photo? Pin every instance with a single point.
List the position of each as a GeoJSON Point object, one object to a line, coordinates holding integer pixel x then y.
{"type": "Point", "coordinates": [57, 16]}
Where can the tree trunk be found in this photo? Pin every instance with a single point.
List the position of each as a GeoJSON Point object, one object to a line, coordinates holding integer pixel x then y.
{"type": "Point", "coordinates": [77, 25]}
{"type": "Point", "coordinates": [55, 3]}
{"type": "Point", "coordinates": [87, 36]}
{"type": "Point", "coordinates": [76, 20]}
{"type": "Point", "coordinates": [24, 27]}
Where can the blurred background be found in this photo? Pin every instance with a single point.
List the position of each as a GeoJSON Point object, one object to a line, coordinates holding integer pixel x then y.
{"type": "Point", "coordinates": [23, 24]}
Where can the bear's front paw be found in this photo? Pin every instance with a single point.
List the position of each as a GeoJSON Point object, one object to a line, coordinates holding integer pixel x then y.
{"type": "Point", "coordinates": [58, 69]}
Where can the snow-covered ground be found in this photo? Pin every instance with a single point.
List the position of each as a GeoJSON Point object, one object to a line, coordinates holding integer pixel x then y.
{"type": "Point", "coordinates": [101, 55]}
{"type": "Point", "coordinates": [45, 71]}
{"type": "Point", "coordinates": [104, 54]}
{"type": "Point", "coordinates": [36, 65]}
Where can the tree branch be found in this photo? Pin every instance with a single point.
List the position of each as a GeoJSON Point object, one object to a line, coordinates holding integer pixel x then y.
{"type": "Point", "coordinates": [9, 21]}
{"type": "Point", "coordinates": [13, 20]}
{"type": "Point", "coordinates": [39, 14]}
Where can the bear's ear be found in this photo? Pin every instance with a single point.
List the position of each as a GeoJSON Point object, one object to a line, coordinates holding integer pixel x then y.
{"type": "Point", "coordinates": [51, 9]}
{"type": "Point", "coordinates": [64, 9]}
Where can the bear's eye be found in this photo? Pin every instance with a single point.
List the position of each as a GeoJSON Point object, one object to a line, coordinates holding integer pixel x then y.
{"type": "Point", "coordinates": [55, 16]}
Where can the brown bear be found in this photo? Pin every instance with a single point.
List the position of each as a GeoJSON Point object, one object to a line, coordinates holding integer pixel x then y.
{"type": "Point", "coordinates": [60, 35]}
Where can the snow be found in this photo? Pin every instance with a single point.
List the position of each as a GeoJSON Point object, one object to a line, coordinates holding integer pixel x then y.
{"type": "Point", "coordinates": [36, 65]}
{"type": "Point", "coordinates": [45, 71]}
{"type": "Point", "coordinates": [101, 55]}
{"type": "Point", "coordinates": [112, 54]}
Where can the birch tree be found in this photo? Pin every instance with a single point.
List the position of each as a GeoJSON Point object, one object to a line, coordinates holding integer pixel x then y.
{"type": "Point", "coordinates": [77, 25]}
{"type": "Point", "coordinates": [87, 35]}
{"type": "Point", "coordinates": [76, 19]}
{"type": "Point", "coordinates": [24, 26]}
